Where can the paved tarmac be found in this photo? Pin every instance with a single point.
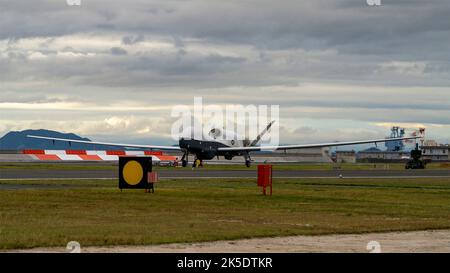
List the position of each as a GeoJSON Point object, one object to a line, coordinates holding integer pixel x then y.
{"type": "Point", "coordinates": [205, 173]}
{"type": "Point", "coordinates": [34, 187]}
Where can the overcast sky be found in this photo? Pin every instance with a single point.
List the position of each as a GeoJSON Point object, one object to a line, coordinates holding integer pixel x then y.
{"type": "Point", "coordinates": [112, 70]}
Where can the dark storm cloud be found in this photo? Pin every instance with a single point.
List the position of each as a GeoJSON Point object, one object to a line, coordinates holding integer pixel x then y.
{"type": "Point", "coordinates": [350, 26]}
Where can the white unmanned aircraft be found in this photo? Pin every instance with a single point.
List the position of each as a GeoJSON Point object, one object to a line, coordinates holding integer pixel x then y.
{"type": "Point", "coordinates": [208, 149]}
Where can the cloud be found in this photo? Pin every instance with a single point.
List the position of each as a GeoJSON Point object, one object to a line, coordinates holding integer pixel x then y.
{"type": "Point", "coordinates": [118, 51]}
{"type": "Point", "coordinates": [305, 130]}
{"type": "Point", "coordinates": [131, 40]}
{"type": "Point", "coordinates": [14, 97]}
{"type": "Point", "coordinates": [319, 60]}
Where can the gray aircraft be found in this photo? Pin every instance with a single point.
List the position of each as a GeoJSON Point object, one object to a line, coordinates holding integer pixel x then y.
{"type": "Point", "coordinates": [215, 146]}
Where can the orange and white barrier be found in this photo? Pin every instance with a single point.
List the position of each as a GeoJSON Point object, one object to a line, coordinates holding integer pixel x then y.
{"type": "Point", "coordinates": [94, 155]}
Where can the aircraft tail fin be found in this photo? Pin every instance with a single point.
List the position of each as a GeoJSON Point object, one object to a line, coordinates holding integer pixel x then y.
{"type": "Point", "coordinates": [258, 138]}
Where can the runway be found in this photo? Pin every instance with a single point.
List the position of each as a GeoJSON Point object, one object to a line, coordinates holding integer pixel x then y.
{"type": "Point", "coordinates": [34, 187]}
{"type": "Point", "coordinates": [6, 174]}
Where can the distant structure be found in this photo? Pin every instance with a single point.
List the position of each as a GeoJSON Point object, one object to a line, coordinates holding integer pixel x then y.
{"type": "Point", "coordinates": [321, 155]}
{"type": "Point", "coordinates": [431, 150]}
{"type": "Point", "coordinates": [395, 146]}
{"type": "Point", "coordinates": [346, 156]}
{"type": "Point", "coordinates": [396, 151]}
{"type": "Point", "coordinates": [373, 155]}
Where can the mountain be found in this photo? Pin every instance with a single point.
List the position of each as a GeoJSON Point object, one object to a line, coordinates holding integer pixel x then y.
{"type": "Point", "coordinates": [19, 141]}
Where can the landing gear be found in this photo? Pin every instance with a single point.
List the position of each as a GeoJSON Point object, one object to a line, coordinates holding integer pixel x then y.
{"type": "Point", "coordinates": [248, 160]}
{"type": "Point", "coordinates": [184, 160]}
{"type": "Point", "coordinates": [197, 163]}
{"type": "Point", "coordinates": [247, 163]}
{"type": "Point", "coordinates": [415, 162]}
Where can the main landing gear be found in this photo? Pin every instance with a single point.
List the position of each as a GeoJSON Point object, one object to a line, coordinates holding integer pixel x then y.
{"type": "Point", "coordinates": [184, 161]}
{"type": "Point", "coordinates": [197, 163]}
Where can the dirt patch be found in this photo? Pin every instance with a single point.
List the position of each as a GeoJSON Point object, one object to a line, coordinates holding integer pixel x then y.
{"type": "Point", "coordinates": [417, 241]}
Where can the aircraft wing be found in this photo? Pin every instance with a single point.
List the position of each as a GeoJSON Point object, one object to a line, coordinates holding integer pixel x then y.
{"type": "Point", "coordinates": [304, 146]}
{"type": "Point", "coordinates": [173, 148]}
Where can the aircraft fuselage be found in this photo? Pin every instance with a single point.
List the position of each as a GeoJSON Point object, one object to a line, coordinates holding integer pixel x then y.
{"type": "Point", "coordinates": [205, 149]}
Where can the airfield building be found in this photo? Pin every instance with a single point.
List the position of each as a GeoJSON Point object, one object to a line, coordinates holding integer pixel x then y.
{"type": "Point", "coordinates": [435, 152]}
{"type": "Point", "coordinates": [345, 156]}
{"type": "Point", "coordinates": [376, 155]}
{"type": "Point", "coordinates": [302, 155]}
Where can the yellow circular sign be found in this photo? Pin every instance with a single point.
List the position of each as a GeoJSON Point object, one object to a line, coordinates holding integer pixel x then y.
{"type": "Point", "coordinates": [132, 172]}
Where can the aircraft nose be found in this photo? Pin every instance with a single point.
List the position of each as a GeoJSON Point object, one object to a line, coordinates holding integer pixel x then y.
{"type": "Point", "coordinates": [182, 143]}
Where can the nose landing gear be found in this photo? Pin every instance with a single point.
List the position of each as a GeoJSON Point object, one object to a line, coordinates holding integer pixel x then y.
{"type": "Point", "coordinates": [184, 160]}
{"type": "Point", "coordinates": [248, 160]}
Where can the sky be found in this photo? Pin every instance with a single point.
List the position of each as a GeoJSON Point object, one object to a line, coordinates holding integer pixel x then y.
{"type": "Point", "coordinates": [113, 70]}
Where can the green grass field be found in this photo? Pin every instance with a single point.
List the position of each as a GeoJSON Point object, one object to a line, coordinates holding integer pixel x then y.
{"type": "Point", "coordinates": [95, 212]}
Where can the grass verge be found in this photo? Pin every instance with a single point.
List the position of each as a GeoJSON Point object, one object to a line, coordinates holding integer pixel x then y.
{"type": "Point", "coordinates": [216, 209]}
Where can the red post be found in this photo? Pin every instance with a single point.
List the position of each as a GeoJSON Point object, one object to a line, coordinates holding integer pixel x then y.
{"type": "Point", "coordinates": [270, 180]}
{"type": "Point", "coordinates": [265, 177]}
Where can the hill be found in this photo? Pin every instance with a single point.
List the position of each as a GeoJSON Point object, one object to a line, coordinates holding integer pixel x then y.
{"type": "Point", "coordinates": [18, 140]}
